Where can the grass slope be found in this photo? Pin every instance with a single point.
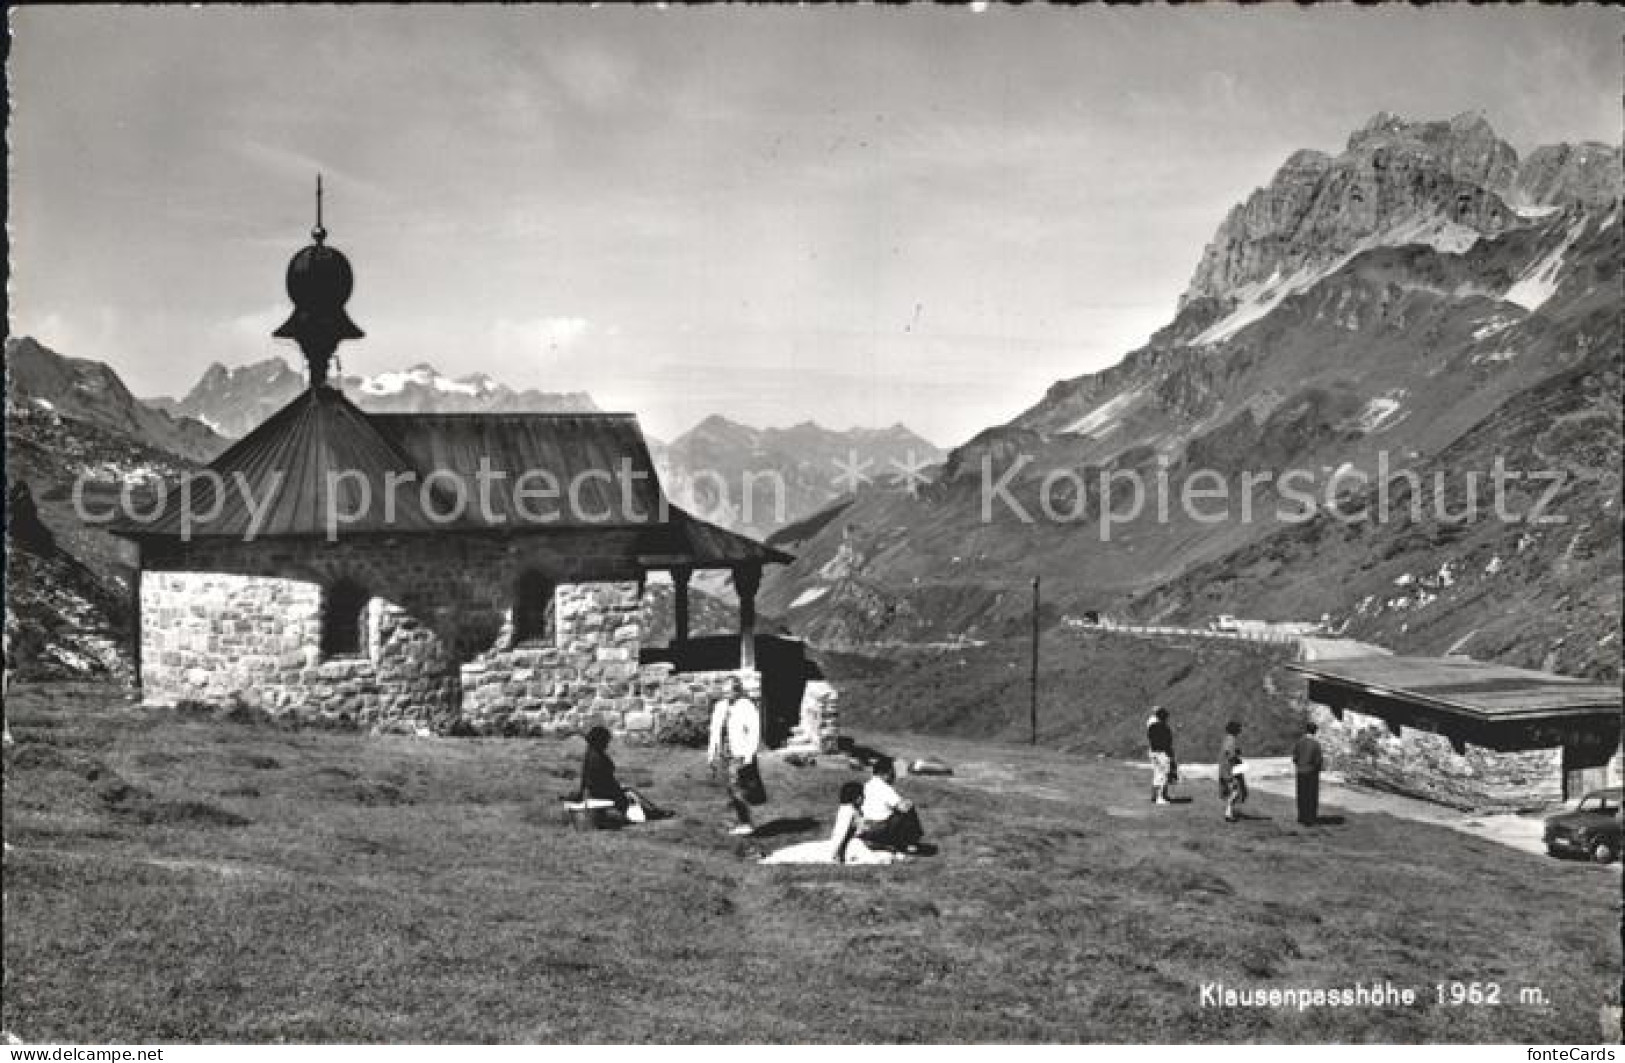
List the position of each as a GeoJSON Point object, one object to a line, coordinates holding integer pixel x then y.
{"type": "Point", "coordinates": [1094, 692]}
{"type": "Point", "coordinates": [182, 879]}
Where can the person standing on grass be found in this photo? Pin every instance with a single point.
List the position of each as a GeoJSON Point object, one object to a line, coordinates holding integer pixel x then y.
{"type": "Point", "coordinates": [1232, 771]}
{"type": "Point", "coordinates": [1307, 760]}
{"type": "Point", "coordinates": [1160, 737]}
{"type": "Point", "coordinates": [736, 736]}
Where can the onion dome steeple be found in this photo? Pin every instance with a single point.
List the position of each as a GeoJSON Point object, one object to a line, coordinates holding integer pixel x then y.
{"type": "Point", "coordinates": [319, 283]}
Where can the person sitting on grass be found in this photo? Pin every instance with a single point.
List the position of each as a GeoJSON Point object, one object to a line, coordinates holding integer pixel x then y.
{"type": "Point", "coordinates": [843, 846]}
{"type": "Point", "coordinates": [890, 820]}
{"type": "Point", "coordinates": [598, 781]}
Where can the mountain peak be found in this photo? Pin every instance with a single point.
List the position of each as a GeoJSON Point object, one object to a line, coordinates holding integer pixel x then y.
{"type": "Point", "coordinates": [1397, 178]}
{"type": "Point", "coordinates": [716, 422]}
{"type": "Point", "coordinates": [1381, 124]}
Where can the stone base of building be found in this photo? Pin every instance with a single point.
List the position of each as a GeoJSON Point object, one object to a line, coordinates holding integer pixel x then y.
{"type": "Point", "coordinates": [1422, 764]}
{"type": "Point", "coordinates": [232, 640]}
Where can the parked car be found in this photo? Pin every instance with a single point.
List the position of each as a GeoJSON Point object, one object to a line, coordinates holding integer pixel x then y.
{"type": "Point", "coordinates": [1224, 622]}
{"type": "Point", "coordinates": [1593, 829]}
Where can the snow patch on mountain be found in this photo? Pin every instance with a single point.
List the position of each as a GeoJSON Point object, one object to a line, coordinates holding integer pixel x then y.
{"type": "Point", "coordinates": [1534, 211]}
{"type": "Point", "coordinates": [1441, 234]}
{"type": "Point", "coordinates": [1257, 300]}
{"type": "Point", "coordinates": [1490, 326]}
{"type": "Point", "coordinates": [808, 596]}
{"type": "Point", "coordinates": [395, 383]}
{"type": "Point", "coordinates": [1106, 416]}
{"type": "Point", "coordinates": [1537, 284]}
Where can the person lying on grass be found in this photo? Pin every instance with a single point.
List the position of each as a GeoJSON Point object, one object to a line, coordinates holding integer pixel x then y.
{"type": "Point", "coordinates": [890, 820]}
{"type": "Point", "coordinates": [598, 781]}
{"type": "Point", "coordinates": [843, 846]}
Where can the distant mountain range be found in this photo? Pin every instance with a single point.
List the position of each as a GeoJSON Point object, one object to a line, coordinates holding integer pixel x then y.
{"type": "Point", "coordinates": [749, 479]}
{"type": "Point", "coordinates": [757, 480]}
{"type": "Point", "coordinates": [234, 401]}
{"type": "Point", "coordinates": [1424, 300]}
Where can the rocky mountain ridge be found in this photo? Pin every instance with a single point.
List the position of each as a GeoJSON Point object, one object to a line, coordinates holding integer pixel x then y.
{"type": "Point", "coordinates": [1445, 183]}
{"type": "Point", "coordinates": [90, 391]}
{"type": "Point", "coordinates": [1471, 281]}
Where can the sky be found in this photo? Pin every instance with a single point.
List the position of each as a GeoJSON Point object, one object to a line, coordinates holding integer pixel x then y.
{"type": "Point", "coordinates": [853, 215]}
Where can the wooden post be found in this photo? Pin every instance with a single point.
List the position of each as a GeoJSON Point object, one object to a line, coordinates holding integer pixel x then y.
{"type": "Point", "coordinates": [747, 580]}
{"type": "Point", "coordinates": [136, 622]}
{"type": "Point", "coordinates": [679, 578]}
{"type": "Point", "coordinates": [1032, 707]}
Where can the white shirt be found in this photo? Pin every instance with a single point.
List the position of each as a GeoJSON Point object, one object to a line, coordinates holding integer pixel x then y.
{"type": "Point", "coordinates": [879, 799]}
{"type": "Point", "coordinates": [743, 725]}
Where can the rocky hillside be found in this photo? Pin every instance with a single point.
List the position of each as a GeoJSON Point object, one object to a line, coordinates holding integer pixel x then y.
{"type": "Point", "coordinates": [756, 480]}
{"type": "Point", "coordinates": [1540, 592]}
{"type": "Point", "coordinates": [1396, 307]}
{"type": "Point", "coordinates": [234, 401]}
{"type": "Point", "coordinates": [70, 421]}
{"type": "Point", "coordinates": [63, 620]}
{"type": "Point", "coordinates": [91, 392]}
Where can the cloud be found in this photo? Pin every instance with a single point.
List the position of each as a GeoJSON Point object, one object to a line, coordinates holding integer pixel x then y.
{"type": "Point", "coordinates": [593, 77]}
{"type": "Point", "coordinates": [294, 164]}
{"type": "Point", "coordinates": [255, 326]}
{"type": "Point", "coordinates": [538, 336]}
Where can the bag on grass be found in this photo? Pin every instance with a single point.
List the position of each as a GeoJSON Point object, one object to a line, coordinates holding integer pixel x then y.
{"type": "Point", "coordinates": [751, 787]}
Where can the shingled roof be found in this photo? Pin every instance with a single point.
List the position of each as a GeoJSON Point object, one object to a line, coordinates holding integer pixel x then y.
{"type": "Point", "coordinates": [322, 467]}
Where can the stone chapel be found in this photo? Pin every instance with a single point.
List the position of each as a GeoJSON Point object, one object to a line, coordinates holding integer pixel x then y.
{"type": "Point", "coordinates": [443, 572]}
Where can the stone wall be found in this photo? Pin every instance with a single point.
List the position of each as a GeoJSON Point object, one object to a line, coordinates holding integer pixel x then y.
{"type": "Point", "coordinates": [582, 673]}
{"type": "Point", "coordinates": [227, 639]}
{"type": "Point", "coordinates": [240, 623]}
{"type": "Point", "coordinates": [1425, 765]}
{"type": "Point", "coordinates": [820, 725]}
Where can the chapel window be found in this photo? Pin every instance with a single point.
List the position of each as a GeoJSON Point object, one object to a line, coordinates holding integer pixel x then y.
{"type": "Point", "coordinates": [533, 608]}
{"type": "Point", "coordinates": [344, 620]}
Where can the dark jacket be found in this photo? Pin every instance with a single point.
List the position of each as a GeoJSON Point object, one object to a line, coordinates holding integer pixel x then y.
{"type": "Point", "coordinates": [1306, 755]}
{"type": "Point", "coordinates": [598, 779]}
{"type": "Point", "coordinates": [1161, 738]}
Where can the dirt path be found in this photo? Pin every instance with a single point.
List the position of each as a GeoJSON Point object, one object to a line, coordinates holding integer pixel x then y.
{"type": "Point", "coordinates": [1326, 649]}
{"type": "Point", "coordinates": [1274, 776]}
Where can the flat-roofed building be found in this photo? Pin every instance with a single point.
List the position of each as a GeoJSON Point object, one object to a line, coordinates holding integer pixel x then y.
{"type": "Point", "coordinates": [1468, 733]}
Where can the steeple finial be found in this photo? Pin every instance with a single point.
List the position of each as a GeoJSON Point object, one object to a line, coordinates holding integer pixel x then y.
{"type": "Point", "coordinates": [318, 234]}
{"type": "Point", "coordinates": [319, 283]}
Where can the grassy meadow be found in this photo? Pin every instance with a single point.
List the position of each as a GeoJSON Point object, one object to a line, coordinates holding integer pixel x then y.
{"type": "Point", "coordinates": [174, 878]}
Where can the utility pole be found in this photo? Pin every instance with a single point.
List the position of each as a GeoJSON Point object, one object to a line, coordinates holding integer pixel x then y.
{"type": "Point", "coordinates": [1033, 705]}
